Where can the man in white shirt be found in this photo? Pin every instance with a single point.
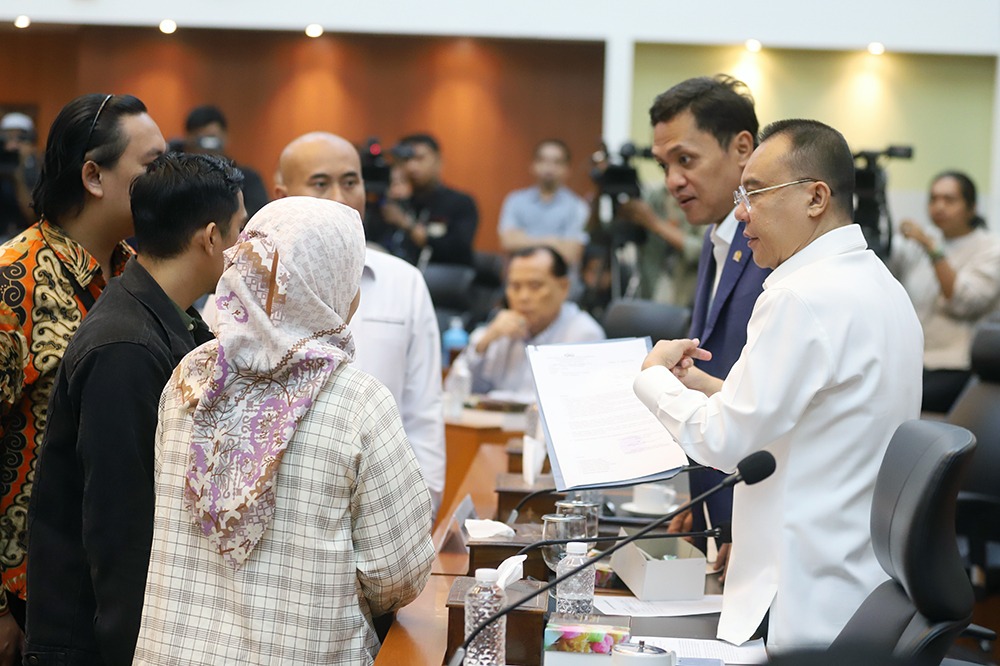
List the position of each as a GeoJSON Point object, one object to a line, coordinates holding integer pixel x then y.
{"type": "Point", "coordinates": [395, 329]}
{"type": "Point", "coordinates": [537, 313]}
{"type": "Point", "coordinates": [831, 367]}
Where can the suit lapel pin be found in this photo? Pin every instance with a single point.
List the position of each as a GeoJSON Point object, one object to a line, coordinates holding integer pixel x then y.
{"type": "Point", "coordinates": [737, 256]}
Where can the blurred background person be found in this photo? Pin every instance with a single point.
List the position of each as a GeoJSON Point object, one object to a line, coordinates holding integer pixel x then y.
{"type": "Point", "coordinates": [437, 224]}
{"type": "Point", "coordinates": [952, 273]}
{"type": "Point", "coordinates": [206, 131]}
{"type": "Point", "coordinates": [668, 259]}
{"type": "Point", "coordinates": [19, 169]}
{"type": "Point", "coordinates": [547, 213]}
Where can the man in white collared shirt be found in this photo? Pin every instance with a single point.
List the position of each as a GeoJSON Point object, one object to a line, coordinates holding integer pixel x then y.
{"type": "Point", "coordinates": [831, 367]}
{"type": "Point", "coordinates": [395, 329]}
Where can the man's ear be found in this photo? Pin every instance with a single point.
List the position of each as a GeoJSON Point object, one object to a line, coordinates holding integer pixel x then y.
{"type": "Point", "coordinates": [90, 175]}
{"type": "Point", "coordinates": [280, 191]}
{"type": "Point", "coordinates": [742, 143]}
{"type": "Point", "coordinates": [822, 199]}
{"type": "Point", "coordinates": [208, 239]}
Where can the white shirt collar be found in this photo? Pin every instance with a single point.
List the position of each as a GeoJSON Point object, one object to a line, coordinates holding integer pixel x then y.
{"type": "Point", "coordinates": [725, 231]}
{"type": "Point", "coordinates": [836, 241]}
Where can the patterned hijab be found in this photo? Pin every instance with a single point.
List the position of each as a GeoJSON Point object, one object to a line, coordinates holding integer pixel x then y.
{"type": "Point", "coordinates": [281, 305]}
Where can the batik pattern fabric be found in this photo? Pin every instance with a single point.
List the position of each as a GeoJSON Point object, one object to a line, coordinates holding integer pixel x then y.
{"type": "Point", "coordinates": [40, 310]}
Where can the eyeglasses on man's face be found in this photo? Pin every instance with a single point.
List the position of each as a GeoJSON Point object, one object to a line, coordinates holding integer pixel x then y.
{"type": "Point", "coordinates": [741, 196]}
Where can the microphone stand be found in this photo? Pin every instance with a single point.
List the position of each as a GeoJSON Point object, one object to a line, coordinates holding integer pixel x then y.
{"type": "Point", "coordinates": [460, 652]}
{"type": "Point", "coordinates": [721, 532]}
{"type": "Point", "coordinates": [512, 517]}
{"type": "Point", "coordinates": [753, 469]}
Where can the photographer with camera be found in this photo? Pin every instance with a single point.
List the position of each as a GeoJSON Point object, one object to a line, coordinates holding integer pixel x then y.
{"type": "Point", "coordinates": [19, 168]}
{"type": "Point", "coordinates": [952, 273]}
{"type": "Point", "coordinates": [668, 260]}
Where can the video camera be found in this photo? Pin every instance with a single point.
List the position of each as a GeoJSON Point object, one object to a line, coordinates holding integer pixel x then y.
{"type": "Point", "coordinates": [615, 176]}
{"type": "Point", "coordinates": [375, 168]}
{"type": "Point", "coordinates": [871, 211]}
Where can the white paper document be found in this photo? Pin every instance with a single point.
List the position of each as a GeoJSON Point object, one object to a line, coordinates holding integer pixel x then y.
{"type": "Point", "coordinates": [597, 430]}
{"type": "Point", "coordinates": [632, 607]}
{"type": "Point", "coordinates": [751, 652]}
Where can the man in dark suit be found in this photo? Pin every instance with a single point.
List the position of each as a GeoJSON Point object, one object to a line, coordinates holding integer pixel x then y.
{"type": "Point", "coordinates": [704, 130]}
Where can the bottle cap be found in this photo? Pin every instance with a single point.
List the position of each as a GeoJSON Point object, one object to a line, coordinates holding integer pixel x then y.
{"type": "Point", "coordinates": [487, 575]}
{"type": "Point", "coordinates": [576, 548]}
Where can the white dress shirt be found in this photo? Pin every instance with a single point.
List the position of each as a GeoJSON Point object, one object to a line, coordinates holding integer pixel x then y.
{"type": "Point", "coordinates": [722, 239]}
{"type": "Point", "coordinates": [831, 367]}
{"type": "Point", "coordinates": [503, 369]}
{"type": "Point", "coordinates": [949, 323]}
{"type": "Point", "coordinates": [398, 342]}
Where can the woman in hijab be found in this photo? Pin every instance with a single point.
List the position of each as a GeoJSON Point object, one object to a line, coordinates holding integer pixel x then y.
{"type": "Point", "coordinates": [289, 507]}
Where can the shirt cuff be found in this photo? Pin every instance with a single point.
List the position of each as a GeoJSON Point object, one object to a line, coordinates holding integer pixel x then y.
{"type": "Point", "coordinates": [652, 383]}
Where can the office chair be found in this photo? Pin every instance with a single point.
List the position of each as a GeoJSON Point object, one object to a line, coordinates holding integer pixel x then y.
{"type": "Point", "coordinates": [639, 318]}
{"type": "Point", "coordinates": [928, 600]}
{"type": "Point", "coordinates": [978, 410]}
{"type": "Point", "coordinates": [450, 286]}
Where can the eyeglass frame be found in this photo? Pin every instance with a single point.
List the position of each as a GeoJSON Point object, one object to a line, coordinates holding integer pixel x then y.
{"type": "Point", "coordinates": [741, 196]}
{"type": "Point", "coordinates": [93, 125]}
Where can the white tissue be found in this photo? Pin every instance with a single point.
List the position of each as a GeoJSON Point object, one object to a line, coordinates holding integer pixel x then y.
{"type": "Point", "coordinates": [484, 529]}
{"type": "Point", "coordinates": [511, 570]}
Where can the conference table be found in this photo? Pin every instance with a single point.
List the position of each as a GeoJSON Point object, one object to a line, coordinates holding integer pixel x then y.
{"type": "Point", "coordinates": [419, 635]}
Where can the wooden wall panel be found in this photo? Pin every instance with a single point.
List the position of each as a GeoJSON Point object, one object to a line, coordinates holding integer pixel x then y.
{"type": "Point", "coordinates": [488, 101]}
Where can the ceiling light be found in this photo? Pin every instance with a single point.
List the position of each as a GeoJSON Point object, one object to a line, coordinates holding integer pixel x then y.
{"type": "Point", "coordinates": [168, 26]}
{"type": "Point", "coordinates": [753, 45]}
{"type": "Point", "coordinates": [876, 48]}
{"type": "Point", "coordinates": [314, 30]}
{"type": "Point", "coordinates": [22, 21]}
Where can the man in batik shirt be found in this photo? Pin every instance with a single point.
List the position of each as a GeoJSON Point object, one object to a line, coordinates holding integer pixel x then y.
{"type": "Point", "coordinates": [50, 276]}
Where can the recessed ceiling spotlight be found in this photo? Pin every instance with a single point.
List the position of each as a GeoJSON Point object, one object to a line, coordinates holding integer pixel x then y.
{"type": "Point", "coordinates": [168, 26]}
{"type": "Point", "coordinates": [314, 30]}
{"type": "Point", "coordinates": [876, 48]}
{"type": "Point", "coordinates": [22, 21]}
{"type": "Point", "coordinates": [754, 45]}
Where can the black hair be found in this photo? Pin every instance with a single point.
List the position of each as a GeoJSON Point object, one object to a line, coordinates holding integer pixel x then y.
{"type": "Point", "coordinates": [201, 116]}
{"type": "Point", "coordinates": [718, 105]}
{"type": "Point", "coordinates": [559, 267]}
{"type": "Point", "coordinates": [179, 194]}
{"type": "Point", "coordinates": [422, 138]}
{"type": "Point", "coordinates": [820, 152]}
{"type": "Point", "coordinates": [86, 129]}
{"type": "Point", "coordinates": [558, 143]}
{"type": "Point", "coordinates": [968, 190]}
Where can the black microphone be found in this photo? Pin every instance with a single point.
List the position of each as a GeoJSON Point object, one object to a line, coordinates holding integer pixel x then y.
{"type": "Point", "coordinates": [753, 469]}
{"type": "Point", "coordinates": [600, 486]}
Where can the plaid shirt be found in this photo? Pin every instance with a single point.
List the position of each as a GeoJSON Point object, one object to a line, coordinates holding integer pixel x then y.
{"type": "Point", "coordinates": [350, 539]}
{"type": "Point", "coordinates": [40, 311]}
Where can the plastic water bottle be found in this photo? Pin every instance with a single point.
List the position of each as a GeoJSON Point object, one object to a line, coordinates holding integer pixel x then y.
{"type": "Point", "coordinates": [482, 600]}
{"type": "Point", "coordinates": [576, 594]}
{"type": "Point", "coordinates": [457, 389]}
{"type": "Point", "coordinates": [455, 339]}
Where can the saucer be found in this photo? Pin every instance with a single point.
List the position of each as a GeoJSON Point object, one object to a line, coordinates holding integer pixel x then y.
{"type": "Point", "coordinates": [630, 507]}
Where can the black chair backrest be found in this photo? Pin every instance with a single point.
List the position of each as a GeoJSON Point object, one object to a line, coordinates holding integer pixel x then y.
{"type": "Point", "coordinates": [639, 318]}
{"type": "Point", "coordinates": [929, 600]}
{"type": "Point", "coordinates": [978, 410]}
{"type": "Point", "coordinates": [450, 285]}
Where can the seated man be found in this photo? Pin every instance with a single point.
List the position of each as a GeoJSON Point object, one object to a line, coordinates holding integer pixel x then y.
{"type": "Point", "coordinates": [537, 314]}
{"type": "Point", "coordinates": [549, 213]}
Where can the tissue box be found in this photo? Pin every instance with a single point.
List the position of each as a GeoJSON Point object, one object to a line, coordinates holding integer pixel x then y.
{"type": "Point", "coordinates": [525, 624]}
{"type": "Point", "coordinates": [586, 639]}
{"type": "Point", "coordinates": [658, 579]}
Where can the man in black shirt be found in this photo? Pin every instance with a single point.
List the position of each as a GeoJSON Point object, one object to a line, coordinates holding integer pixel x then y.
{"type": "Point", "coordinates": [440, 224]}
{"type": "Point", "coordinates": [90, 521]}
